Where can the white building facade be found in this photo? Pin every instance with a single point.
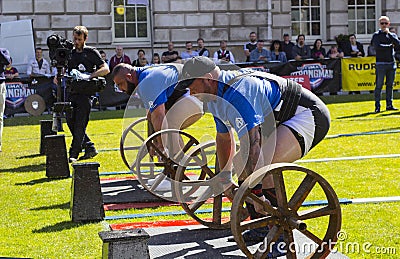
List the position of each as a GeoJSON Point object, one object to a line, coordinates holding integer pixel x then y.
{"type": "Point", "coordinates": [151, 24]}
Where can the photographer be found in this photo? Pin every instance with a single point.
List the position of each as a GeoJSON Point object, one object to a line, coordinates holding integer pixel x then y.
{"type": "Point", "coordinates": [86, 60]}
{"type": "Point", "coordinates": [4, 60]}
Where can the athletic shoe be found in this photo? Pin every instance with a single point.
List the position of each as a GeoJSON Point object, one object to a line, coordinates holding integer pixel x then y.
{"type": "Point", "coordinates": [391, 108]}
{"type": "Point", "coordinates": [89, 154]}
{"type": "Point", "coordinates": [377, 110]}
{"type": "Point", "coordinates": [72, 159]}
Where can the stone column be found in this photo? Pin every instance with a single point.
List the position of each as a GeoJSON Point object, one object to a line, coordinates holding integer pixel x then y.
{"type": "Point", "coordinates": [87, 199]}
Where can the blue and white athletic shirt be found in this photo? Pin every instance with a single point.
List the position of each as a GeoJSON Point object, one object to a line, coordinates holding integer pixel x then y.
{"type": "Point", "coordinates": [156, 84]}
{"type": "Point", "coordinates": [245, 103]}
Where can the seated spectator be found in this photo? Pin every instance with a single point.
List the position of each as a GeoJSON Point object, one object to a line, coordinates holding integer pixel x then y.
{"type": "Point", "coordinates": [318, 52]}
{"type": "Point", "coordinates": [170, 55]}
{"type": "Point", "coordinates": [301, 51]}
{"type": "Point", "coordinates": [260, 53]}
{"type": "Point", "coordinates": [335, 52]}
{"type": "Point", "coordinates": [223, 55]}
{"type": "Point", "coordinates": [141, 54]}
{"type": "Point", "coordinates": [10, 72]}
{"type": "Point", "coordinates": [353, 48]}
{"type": "Point", "coordinates": [188, 53]}
{"type": "Point", "coordinates": [156, 59]}
{"type": "Point", "coordinates": [201, 49]}
{"type": "Point", "coordinates": [38, 66]}
{"type": "Point", "coordinates": [103, 56]}
{"type": "Point", "coordinates": [277, 53]}
{"type": "Point", "coordinates": [119, 57]}
{"type": "Point", "coordinates": [142, 62]}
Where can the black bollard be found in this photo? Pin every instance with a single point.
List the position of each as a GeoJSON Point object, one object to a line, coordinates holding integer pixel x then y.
{"type": "Point", "coordinates": [87, 199]}
{"type": "Point", "coordinates": [125, 244]}
{"type": "Point", "coordinates": [56, 157]}
{"type": "Point", "coordinates": [45, 130]}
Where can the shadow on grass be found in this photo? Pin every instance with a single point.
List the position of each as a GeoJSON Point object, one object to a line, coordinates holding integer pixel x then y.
{"type": "Point", "coordinates": [41, 180]}
{"type": "Point", "coordinates": [58, 227]}
{"type": "Point", "coordinates": [25, 169]}
{"type": "Point", "coordinates": [62, 206]}
{"type": "Point", "coordinates": [29, 156]}
{"type": "Point", "coordinates": [381, 114]}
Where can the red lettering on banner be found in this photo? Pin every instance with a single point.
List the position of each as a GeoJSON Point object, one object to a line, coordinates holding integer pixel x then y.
{"type": "Point", "coordinates": [304, 80]}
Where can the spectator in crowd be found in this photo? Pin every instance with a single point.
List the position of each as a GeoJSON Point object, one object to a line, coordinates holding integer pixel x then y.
{"type": "Point", "coordinates": [143, 62]}
{"type": "Point", "coordinates": [170, 55]}
{"type": "Point", "coordinates": [156, 59]}
{"type": "Point", "coordinates": [38, 66]}
{"type": "Point", "coordinates": [318, 52]}
{"type": "Point", "coordinates": [353, 48]}
{"type": "Point", "coordinates": [188, 53]}
{"type": "Point", "coordinates": [260, 53]}
{"type": "Point", "coordinates": [223, 55]}
{"type": "Point", "coordinates": [335, 52]}
{"type": "Point", "coordinates": [119, 57]}
{"type": "Point", "coordinates": [5, 56]}
{"type": "Point", "coordinates": [251, 45]}
{"type": "Point", "coordinates": [10, 72]}
{"type": "Point", "coordinates": [141, 55]}
{"type": "Point", "coordinates": [201, 49]}
{"type": "Point", "coordinates": [384, 43]}
{"type": "Point", "coordinates": [287, 46]}
{"type": "Point", "coordinates": [103, 56]}
{"type": "Point", "coordinates": [301, 50]}
{"type": "Point", "coordinates": [277, 53]}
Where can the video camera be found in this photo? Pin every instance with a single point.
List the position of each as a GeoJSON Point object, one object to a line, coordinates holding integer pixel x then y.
{"type": "Point", "coordinates": [59, 50]}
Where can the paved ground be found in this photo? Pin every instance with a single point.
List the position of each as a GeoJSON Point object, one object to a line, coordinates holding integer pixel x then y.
{"type": "Point", "coordinates": [197, 242]}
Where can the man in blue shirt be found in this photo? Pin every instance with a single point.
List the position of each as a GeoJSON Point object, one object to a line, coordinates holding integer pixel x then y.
{"type": "Point", "coordinates": [260, 53]}
{"type": "Point", "coordinates": [384, 42]}
{"type": "Point", "coordinates": [246, 100]}
{"type": "Point", "coordinates": [155, 85]}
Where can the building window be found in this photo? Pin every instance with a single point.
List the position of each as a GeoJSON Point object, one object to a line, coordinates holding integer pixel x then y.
{"type": "Point", "coordinates": [306, 17]}
{"type": "Point", "coordinates": [130, 22]}
{"type": "Point", "coordinates": [362, 16]}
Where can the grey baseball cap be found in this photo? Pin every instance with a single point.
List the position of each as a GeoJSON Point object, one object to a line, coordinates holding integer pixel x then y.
{"type": "Point", "coordinates": [194, 68]}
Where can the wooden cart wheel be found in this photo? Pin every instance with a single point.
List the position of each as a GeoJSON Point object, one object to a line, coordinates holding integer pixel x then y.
{"type": "Point", "coordinates": [201, 190]}
{"type": "Point", "coordinates": [131, 140]}
{"type": "Point", "coordinates": [295, 186]}
{"type": "Point", "coordinates": [156, 168]}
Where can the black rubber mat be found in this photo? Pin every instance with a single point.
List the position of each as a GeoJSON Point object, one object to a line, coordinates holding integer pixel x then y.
{"type": "Point", "coordinates": [126, 191]}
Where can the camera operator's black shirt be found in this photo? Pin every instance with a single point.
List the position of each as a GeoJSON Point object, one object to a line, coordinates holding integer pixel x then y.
{"type": "Point", "coordinates": [89, 60]}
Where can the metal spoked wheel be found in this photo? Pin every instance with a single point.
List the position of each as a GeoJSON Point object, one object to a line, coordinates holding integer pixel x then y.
{"type": "Point", "coordinates": [295, 187]}
{"type": "Point", "coordinates": [131, 140]}
{"type": "Point", "coordinates": [201, 190]}
{"type": "Point", "coordinates": [156, 167]}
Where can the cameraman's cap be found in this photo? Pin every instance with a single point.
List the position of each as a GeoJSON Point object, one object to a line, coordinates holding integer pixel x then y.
{"type": "Point", "coordinates": [194, 68]}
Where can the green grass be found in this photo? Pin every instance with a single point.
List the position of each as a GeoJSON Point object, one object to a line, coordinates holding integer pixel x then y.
{"type": "Point", "coordinates": [35, 220]}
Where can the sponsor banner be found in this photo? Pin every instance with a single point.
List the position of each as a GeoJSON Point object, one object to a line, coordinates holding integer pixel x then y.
{"type": "Point", "coordinates": [358, 74]}
{"type": "Point", "coordinates": [16, 93]}
{"type": "Point", "coordinates": [324, 74]}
